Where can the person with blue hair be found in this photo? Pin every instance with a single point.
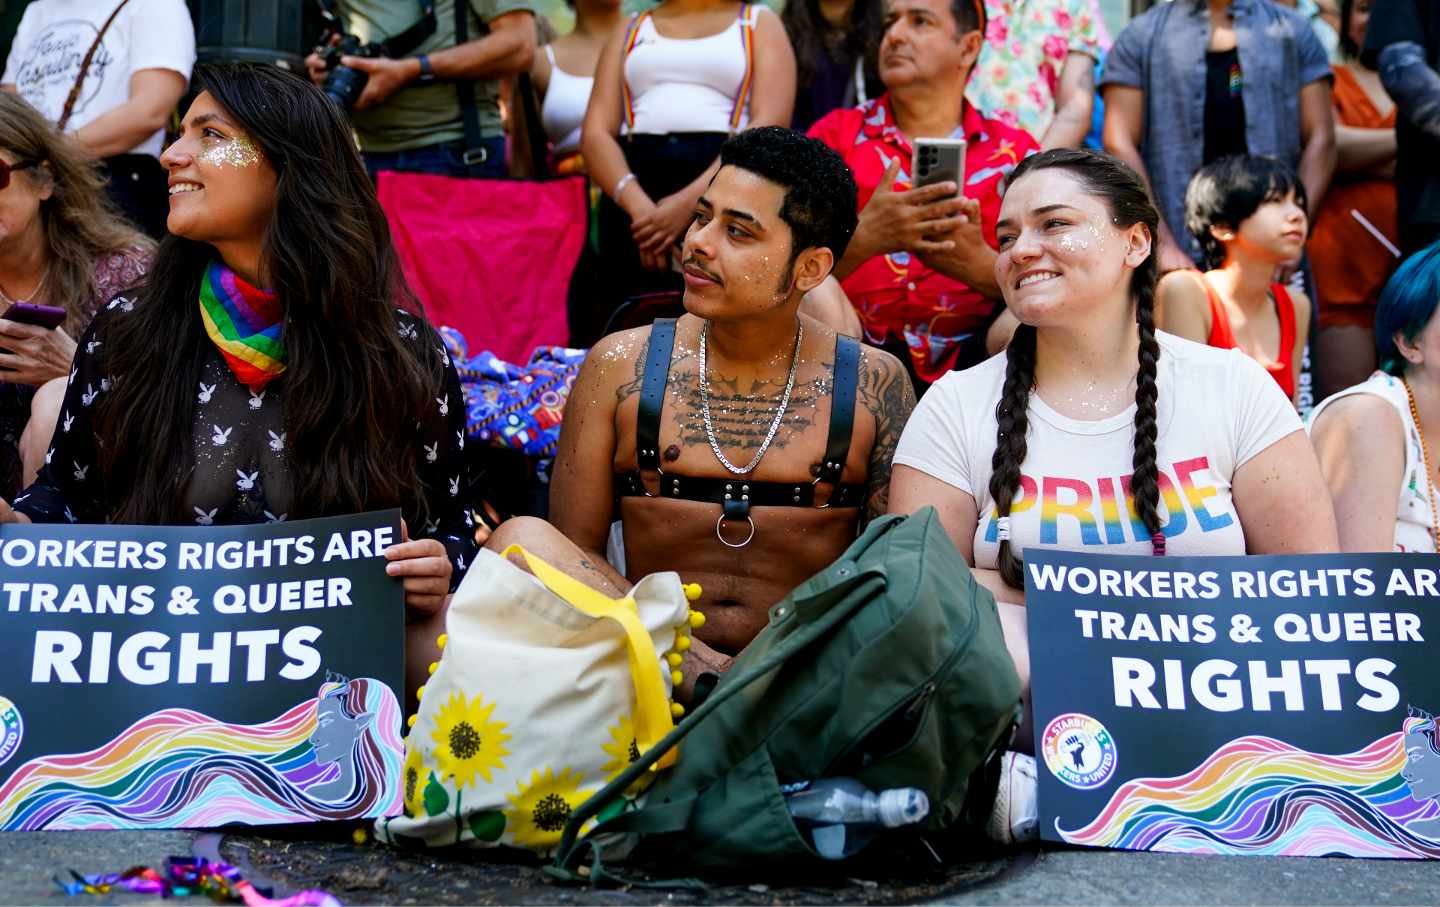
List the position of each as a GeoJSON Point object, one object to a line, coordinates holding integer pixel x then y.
{"type": "Point", "coordinates": [1371, 438]}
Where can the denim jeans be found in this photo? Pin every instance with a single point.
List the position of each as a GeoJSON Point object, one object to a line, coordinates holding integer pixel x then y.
{"type": "Point", "coordinates": [443, 159]}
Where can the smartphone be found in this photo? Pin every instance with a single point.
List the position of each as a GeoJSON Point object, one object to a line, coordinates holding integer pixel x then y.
{"type": "Point", "coordinates": [43, 316]}
{"type": "Point", "coordinates": [938, 161]}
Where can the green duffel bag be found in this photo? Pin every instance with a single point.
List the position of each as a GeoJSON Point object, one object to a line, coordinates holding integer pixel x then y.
{"type": "Point", "coordinates": [889, 667]}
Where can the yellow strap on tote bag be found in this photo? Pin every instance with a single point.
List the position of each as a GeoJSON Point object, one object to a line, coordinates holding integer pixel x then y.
{"type": "Point", "coordinates": [532, 706]}
{"type": "Point", "coordinates": [653, 718]}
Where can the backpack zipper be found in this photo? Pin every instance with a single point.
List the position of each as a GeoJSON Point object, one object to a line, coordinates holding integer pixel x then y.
{"type": "Point", "coordinates": [919, 702]}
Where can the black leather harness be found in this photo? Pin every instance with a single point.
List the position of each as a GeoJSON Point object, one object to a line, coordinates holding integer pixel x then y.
{"type": "Point", "coordinates": [737, 494]}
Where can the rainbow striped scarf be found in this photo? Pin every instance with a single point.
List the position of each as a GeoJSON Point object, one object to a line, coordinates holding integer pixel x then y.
{"type": "Point", "coordinates": [245, 324]}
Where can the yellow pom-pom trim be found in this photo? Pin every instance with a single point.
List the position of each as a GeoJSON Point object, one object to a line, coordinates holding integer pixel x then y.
{"type": "Point", "coordinates": [419, 694]}
{"type": "Point", "coordinates": [434, 666]}
{"type": "Point", "coordinates": [682, 643]}
{"type": "Point", "coordinates": [359, 836]}
{"type": "Point", "coordinates": [697, 619]}
{"type": "Point", "coordinates": [677, 709]}
{"type": "Point", "coordinates": [692, 592]}
{"type": "Point", "coordinates": [410, 722]}
{"type": "Point", "coordinates": [674, 659]}
{"type": "Point", "coordinates": [442, 640]}
{"type": "Point", "coordinates": [677, 678]}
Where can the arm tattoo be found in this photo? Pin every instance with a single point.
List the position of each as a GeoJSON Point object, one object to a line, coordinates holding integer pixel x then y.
{"type": "Point", "coordinates": [886, 392]}
{"type": "Point", "coordinates": [637, 378]}
{"type": "Point", "coordinates": [632, 387]}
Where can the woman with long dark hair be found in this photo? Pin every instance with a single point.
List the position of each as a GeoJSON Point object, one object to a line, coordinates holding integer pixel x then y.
{"type": "Point", "coordinates": [262, 371]}
{"type": "Point", "coordinates": [836, 44]}
{"type": "Point", "coordinates": [1094, 431]}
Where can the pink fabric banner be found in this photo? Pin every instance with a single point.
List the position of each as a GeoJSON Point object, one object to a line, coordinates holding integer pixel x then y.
{"type": "Point", "coordinates": [490, 258]}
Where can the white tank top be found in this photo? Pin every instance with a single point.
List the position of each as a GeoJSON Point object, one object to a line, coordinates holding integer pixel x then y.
{"type": "Point", "coordinates": [1412, 517]}
{"type": "Point", "coordinates": [564, 107]}
{"type": "Point", "coordinates": [687, 84]}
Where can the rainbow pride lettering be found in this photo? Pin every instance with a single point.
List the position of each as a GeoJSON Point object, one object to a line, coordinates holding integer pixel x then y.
{"type": "Point", "coordinates": [1094, 506]}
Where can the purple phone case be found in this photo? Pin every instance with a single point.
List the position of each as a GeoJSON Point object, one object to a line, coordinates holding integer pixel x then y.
{"type": "Point", "coordinates": [43, 316]}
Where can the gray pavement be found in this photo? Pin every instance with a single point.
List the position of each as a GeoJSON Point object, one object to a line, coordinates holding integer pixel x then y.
{"type": "Point", "coordinates": [372, 874]}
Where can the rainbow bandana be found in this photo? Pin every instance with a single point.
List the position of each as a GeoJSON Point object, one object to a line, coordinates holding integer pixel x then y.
{"type": "Point", "coordinates": [244, 324]}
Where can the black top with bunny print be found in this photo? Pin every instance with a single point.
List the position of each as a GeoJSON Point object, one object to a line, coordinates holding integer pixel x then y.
{"type": "Point", "coordinates": [242, 470]}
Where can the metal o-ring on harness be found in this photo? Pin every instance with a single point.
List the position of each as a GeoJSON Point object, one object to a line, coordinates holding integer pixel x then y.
{"type": "Point", "coordinates": [726, 542]}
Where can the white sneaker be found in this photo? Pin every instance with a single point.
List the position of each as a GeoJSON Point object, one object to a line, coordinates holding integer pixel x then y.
{"type": "Point", "coordinates": [1015, 817]}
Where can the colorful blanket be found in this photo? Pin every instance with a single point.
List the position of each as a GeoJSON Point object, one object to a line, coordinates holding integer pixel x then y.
{"type": "Point", "coordinates": [515, 406]}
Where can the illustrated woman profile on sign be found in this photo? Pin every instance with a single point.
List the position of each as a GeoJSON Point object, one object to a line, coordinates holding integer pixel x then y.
{"type": "Point", "coordinates": [1422, 767]}
{"type": "Point", "coordinates": [341, 731]}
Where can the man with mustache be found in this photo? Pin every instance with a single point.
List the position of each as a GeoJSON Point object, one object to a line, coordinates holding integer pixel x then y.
{"type": "Point", "coordinates": [920, 269]}
{"type": "Point", "coordinates": [743, 444]}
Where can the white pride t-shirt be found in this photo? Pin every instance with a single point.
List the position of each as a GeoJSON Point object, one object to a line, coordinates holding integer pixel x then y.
{"type": "Point", "coordinates": [54, 35]}
{"type": "Point", "coordinates": [1216, 409]}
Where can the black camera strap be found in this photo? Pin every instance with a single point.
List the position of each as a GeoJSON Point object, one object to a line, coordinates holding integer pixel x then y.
{"type": "Point", "coordinates": [404, 44]}
{"type": "Point", "coordinates": [396, 46]}
{"type": "Point", "coordinates": [475, 152]}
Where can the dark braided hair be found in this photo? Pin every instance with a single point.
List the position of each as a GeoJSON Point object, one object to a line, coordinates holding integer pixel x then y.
{"type": "Point", "coordinates": [1129, 204]}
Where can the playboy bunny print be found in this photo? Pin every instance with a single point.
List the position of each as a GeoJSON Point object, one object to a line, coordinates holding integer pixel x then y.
{"type": "Point", "coordinates": [242, 467]}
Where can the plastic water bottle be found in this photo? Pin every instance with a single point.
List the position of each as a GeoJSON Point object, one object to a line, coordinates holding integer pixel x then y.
{"type": "Point", "coordinates": [840, 815]}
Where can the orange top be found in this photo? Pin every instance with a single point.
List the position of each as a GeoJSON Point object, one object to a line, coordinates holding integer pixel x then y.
{"type": "Point", "coordinates": [1353, 106]}
{"type": "Point", "coordinates": [1283, 368]}
{"type": "Point", "coordinates": [1350, 264]}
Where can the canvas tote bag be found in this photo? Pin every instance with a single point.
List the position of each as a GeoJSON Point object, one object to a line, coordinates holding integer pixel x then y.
{"type": "Point", "coordinates": [545, 691]}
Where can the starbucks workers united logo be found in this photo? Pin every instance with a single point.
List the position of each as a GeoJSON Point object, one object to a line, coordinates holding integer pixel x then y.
{"type": "Point", "coordinates": [1079, 751]}
{"type": "Point", "coordinates": [12, 729]}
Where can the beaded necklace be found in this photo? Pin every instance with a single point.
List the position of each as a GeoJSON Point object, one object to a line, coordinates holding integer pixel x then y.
{"type": "Point", "coordinates": [1425, 464]}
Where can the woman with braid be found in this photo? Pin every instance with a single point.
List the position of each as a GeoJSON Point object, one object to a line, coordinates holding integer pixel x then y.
{"type": "Point", "coordinates": [1093, 431]}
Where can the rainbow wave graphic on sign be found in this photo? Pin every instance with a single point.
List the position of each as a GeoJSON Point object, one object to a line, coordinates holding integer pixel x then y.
{"type": "Point", "coordinates": [1257, 795]}
{"type": "Point", "coordinates": [181, 768]}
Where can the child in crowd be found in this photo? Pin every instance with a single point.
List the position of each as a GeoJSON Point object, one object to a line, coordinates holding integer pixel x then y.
{"type": "Point", "coordinates": [1248, 213]}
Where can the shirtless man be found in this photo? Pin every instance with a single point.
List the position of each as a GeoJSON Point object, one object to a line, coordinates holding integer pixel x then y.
{"type": "Point", "coordinates": [769, 228]}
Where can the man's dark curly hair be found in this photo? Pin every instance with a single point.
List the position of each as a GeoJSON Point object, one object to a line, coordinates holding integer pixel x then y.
{"type": "Point", "coordinates": [820, 193]}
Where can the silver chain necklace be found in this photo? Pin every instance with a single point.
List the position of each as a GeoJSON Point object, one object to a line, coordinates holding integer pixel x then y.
{"type": "Point", "coordinates": [774, 424]}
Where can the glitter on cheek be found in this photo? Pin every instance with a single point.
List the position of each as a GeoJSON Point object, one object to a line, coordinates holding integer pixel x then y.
{"type": "Point", "coordinates": [237, 152]}
{"type": "Point", "coordinates": [1099, 237]}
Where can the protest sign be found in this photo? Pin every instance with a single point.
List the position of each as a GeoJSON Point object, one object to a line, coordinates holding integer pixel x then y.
{"type": "Point", "coordinates": [1237, 705]}
{"type": "Point", "coordinates": [165, 677]}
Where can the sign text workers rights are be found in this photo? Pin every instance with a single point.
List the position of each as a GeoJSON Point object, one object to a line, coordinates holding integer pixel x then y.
{"type": "Point", "coordinates": [203, 673]}
{"type": "Point", "coordinates": [1276, 705]}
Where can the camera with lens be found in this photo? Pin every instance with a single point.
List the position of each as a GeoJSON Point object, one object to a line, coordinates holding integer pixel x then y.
{"type": "Point", "coordinates": [345, 84]}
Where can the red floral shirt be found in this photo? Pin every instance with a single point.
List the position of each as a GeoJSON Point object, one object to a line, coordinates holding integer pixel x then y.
{"type": "Point", "coordinates": [895, 294]}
